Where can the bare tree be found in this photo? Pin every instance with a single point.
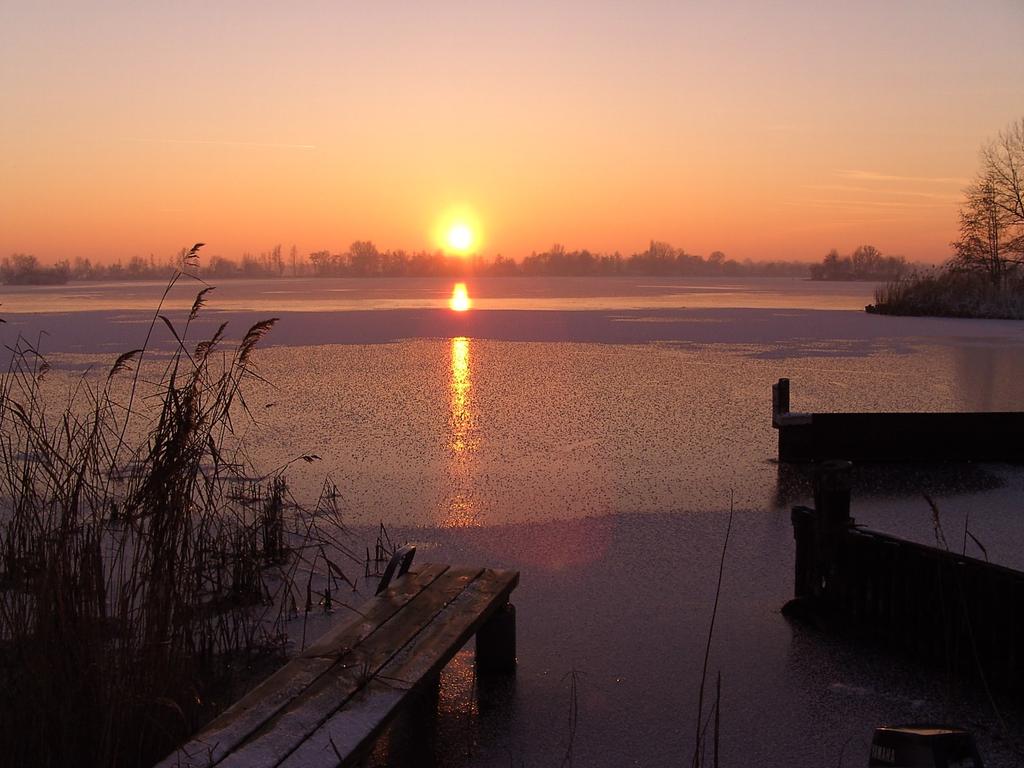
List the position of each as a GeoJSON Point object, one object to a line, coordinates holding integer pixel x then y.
{"type": "Point", "coordinates": [985, 244]}
{"type": "Point", "coordinates": [1003, 165]}
{"type": "Point", "coordinates": [992, 216]}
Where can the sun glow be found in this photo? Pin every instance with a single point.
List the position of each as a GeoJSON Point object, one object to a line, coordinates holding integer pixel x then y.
{"type": "Point", "coordinates": [460, 238]}
{"type": "Point", "coordinates": [460, 301]}
{"type": "Point", "coordinates": [458, 231]}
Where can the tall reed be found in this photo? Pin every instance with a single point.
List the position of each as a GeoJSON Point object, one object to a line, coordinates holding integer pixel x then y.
{"type": "Point", "coordinates": [133, 588]}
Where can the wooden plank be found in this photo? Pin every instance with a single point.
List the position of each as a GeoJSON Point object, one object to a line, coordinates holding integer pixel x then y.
{"type": "Point", "coordinates": [351, 731]}
{"type": "Point", "coordinates": [375, 612]}
{"type": "Point", "coordinates": [281, 734]}
{"type": "Point", "coordinates": [237, 724]}
{"type": "Point", "coordinates": [246, 715]}
{"type": "Point", "coordinates": [988, 436]}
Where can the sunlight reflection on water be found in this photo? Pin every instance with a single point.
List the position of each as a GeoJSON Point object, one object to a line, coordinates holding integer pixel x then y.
{"type": "Point", "coordinates": [462, 418]}
{"type": "Point", "coordinates": [459, 509]}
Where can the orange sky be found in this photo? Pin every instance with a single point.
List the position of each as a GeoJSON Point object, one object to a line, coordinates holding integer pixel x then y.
{"type": "Point", "coordinates": [766, 130]}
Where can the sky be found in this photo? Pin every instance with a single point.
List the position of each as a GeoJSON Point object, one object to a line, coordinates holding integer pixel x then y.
{"type": "Point", "coordinates": [767, 130]}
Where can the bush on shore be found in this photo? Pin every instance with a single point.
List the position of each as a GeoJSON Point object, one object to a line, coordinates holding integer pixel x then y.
{"type": "Point", "coordinates": [947, 292]}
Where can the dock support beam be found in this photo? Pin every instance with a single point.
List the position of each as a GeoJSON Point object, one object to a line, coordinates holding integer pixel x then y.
{"type": "Point", "coordinates": [819, 532]}
{"type": "Point", "coordinates": [889, 436]}
{"type": "Point", "coordinates": [496, 642]}
{"type": "Point", "coordinates": [780, 400]}
{"type": "Point", "coordinates": [832, 521]}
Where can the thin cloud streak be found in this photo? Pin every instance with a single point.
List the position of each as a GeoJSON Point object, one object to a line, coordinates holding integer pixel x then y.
{"type": "Point", "coordinates": [876, 191]}
{"type": "Point", "coordinates": [831, 226]}
{"type": "Point", "coordinates": [853, 204]}
{"type": "Point", "coordinates": [872, 176]}
{"type": "Point", "coordinates": [259, 144]}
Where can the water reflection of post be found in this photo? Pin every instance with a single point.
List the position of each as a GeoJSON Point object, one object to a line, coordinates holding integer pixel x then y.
{"type": "Point", "coordinates": [460, 510]}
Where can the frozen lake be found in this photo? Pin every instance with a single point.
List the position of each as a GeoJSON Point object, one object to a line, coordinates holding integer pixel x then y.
{"type": "Point", "coordinates": [590, 433]}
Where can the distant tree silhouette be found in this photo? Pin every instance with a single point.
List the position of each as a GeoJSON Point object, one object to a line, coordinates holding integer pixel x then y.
{"type": "Point", "coordinates": [24, 269]}
{"type": "Point", "coordinates": [363, 259]}
{"type": "Point", "coordinates": [865, 263]}
{"type": "Point", "coordinates": [321, 261]}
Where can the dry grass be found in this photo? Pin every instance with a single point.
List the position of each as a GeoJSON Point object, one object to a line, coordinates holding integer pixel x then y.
{"type": "Point", "coordinates": [139, 580]}
{"type": "Point", "coordinates": [950, 293]}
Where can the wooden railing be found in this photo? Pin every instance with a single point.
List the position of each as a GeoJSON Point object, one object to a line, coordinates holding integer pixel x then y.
{"type": "Point", "coordinates": [961, 613]}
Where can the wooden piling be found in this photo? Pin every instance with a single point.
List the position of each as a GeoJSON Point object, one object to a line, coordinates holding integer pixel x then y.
{"type": "Point", "coordinates": [780, 399]}
{"type": "Point", "coordinates": [496, 642]}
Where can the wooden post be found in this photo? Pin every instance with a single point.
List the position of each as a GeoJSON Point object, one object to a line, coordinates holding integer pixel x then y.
{"type": "Point", "coordinates": [803, 566]}
{"type": "Point", "coordinates": [496, 642]}
{"type": "Point", "coordinates": [780, 400]}
{"type": "Point", "coordinates": [832, 521]}
{"type": "Point", "coordinates": [832, 493]}
{"type": "Point", "coordinates": [411, 738]}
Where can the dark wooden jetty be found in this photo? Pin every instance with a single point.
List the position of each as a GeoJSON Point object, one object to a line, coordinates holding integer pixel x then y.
{"type": "Point", "coordinates": [328, 706]}
{"type": "Point", "coordinates": [987, 436]}
{"type": "Point", "coordinates": [963, 614]}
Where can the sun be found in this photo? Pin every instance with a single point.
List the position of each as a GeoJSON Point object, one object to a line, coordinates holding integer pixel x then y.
{"type": "Point", "coordinates": [459, 231]}
{"type": "Point", "coordinates": [460, 237]}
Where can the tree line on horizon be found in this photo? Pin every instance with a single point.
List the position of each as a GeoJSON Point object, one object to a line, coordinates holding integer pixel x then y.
{"type": "Point", "coordinates": [364, 259]}
{"type": "Point", "coordinates": [988, 257]}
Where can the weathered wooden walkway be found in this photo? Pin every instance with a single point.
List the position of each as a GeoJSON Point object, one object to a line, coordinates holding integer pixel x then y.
{"type": "Point", "coordinates": [963, 614]}
{"type": "Point", "coordinates": [987, 436]}
{"type": "Point", "coordinates": [328, 706]}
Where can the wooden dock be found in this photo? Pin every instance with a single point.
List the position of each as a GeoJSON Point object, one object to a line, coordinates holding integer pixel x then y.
{"type": "Point", "coordinates": [977, 436]}
{"type": "Point", "coordinates": [328, 706]}
{"type": "Point", "coordinates": [962, 614]}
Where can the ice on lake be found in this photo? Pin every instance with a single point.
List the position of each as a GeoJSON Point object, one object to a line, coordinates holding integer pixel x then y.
{"type": "Point", "coordinates": [592, 435]}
